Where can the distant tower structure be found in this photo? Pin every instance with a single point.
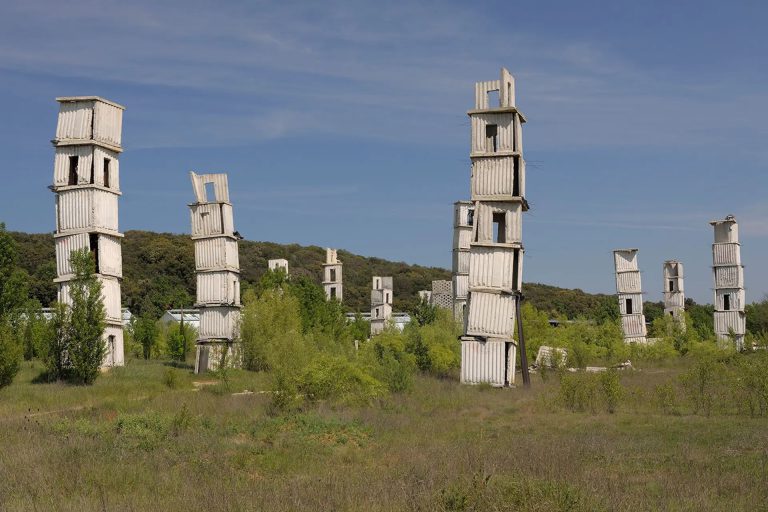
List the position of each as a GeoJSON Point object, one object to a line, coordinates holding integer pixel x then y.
{"type": "Point", "coordinates": [332, 281]}
{"type": "Point", "coordinates": [381, 303]}
{"type": "Point", "coordinates": [674, 291]}
{"type": "Point", "coordinates": [442, 294]}
{"type": "Point", "coordinates": [463, 213]}
{"type": "Point", "coordinates": [630, 293]}
{"type": "Point", "coordinates": [730, 319]}
{"type": "Point", "coordinates": [217, 265]}
{"type": "Point", "coordinates": [488, 349]}
{"type": "Point", "coordinates": [87, 187]}
{"type": "Point", "coordinates": [278, 264]}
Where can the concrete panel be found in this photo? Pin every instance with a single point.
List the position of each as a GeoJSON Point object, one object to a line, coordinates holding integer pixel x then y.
{"type": "Point", "coordinates": [491, 362]}
{"type": "Point", "coordinates": [491, 315]}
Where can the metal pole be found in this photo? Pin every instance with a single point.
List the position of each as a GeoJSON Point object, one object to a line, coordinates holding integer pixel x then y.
{"type": "Point", "coordinates": [521, 341]}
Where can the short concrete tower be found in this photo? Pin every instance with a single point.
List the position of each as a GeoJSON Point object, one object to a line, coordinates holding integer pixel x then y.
{"type": "Point", "coordinates": [278, 264]}
{"type": "Point", "coordinates": [630, 293]}
{"type": "Point", "coordinates": [496, 250]}
{"type": "Point", "coordinates": [381, 303]}
{"type": "Point", "coordinates": [674, 291]}
{"type": "Point", "coordinates": [463, 213]}
{"type": "Point", "coordinates": [87, 187]}
{"type": "Point", "coordinates": [332, 276]}
{"type": "Point", "coordinates": [730, 319]}
{"type": "Point", "coordinates": [217, 265]}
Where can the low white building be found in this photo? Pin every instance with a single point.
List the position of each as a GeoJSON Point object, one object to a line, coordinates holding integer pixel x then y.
{"type": "Point", "coordinates": [191, 317]}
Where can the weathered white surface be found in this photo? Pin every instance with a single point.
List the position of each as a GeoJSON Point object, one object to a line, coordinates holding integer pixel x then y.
{"type": "Point", "coordinates": [491, 362]}
{"type": "Point", "coordinates": [332, 276]}
{"type": "Point", "coordinates": [491, 315]}
{"type": "Point", "coordinates": [214, 288]}
{"type": "Point", "coordinates": [629, 288]}
{"type": "Point", "coordinates": [728, 274]}
{"type": "Point", "coordinates": [277, 264]}
{"type": "Point", "coordinates": [510, 212]}
{"type": "Point", "coordinates": [86, 208]}
{"type": "Point", "coordinates": [502, 177]}
{"type": "Point", "coordinates": [220, 253]}
{"type": "Point", "coordinates": [551, 357]}
{"type": "Point", "coordinates": [496, 268]}
{"type": "Point", "coordinates": [382, 297]}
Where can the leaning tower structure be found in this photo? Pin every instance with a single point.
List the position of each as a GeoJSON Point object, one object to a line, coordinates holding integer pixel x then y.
{"type": "Point", "coordinates": [674, 291]}
{"type": "Point", "coordinates": [463, 213]}
{"type": "Point", "coordinates": [86, 181]}
{"type": "Point", "coordinates": [217, 266]}
{"type": "Point", "coordinates": [332, 279]}
{"type": "Point", "coordinates": [494, 285]}
{"type": "Point", "coordinates": [730, 319]}
{"type": "Point", "coordinates": [630, 294]}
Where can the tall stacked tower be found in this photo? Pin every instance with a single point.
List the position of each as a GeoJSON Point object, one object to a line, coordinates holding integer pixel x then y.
{"type": "Point", "coordinates": [730, 319]}
{"type": "Point", "coordinates": [674, 291]}
{"type": "Point", "coordinates": [217, 265]}
{"type": "Point", "coordinates": [630, 293]}
{"type": "Point", "coordinates": [381, 303]}
{"type": "Point", "coordinates": [87, 187]}
{"type": "Point", "coordinates": [495, 250]}
{"type": "Point", "coordinates": [332, 276]}
{"type": "Point", "coordinates": [463, 213]}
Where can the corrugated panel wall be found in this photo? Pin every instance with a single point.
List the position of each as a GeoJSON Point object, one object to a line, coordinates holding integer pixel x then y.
{"type": "Point", "coordinates": [491, 314]}
{"type": "Point", "coordinates": [460, 262]}
{"type": "Point", "coordinates": [637, 302]}
{"type": "Point", "coordinates": [494, 176]}
{"type": "Point", "coordinates": [100, 154]}
{"type": "Point", "coordinates": [213, 253]}
{"type": "Point", "coordinates": [218, 288]}
{"type": "Point", "coordinates": [229, 219]}
{"type": "Point", "coordinates": [108, 125]}
{"type": "Point", "coordinates": [726, 232]}
{"type": "Point", "coordinates": [737, 301]}
{"type": "Point", "coordinates": [674, 299]}
{"type": "Point", "coordinates": [110, 291]}
{"type": "Point", "coordinates": [726, 320]}
{"type": "Point", "coordinates": [87, 208]}
{"type": "Point", "coordinates": [625, 261]}
{"type": "Point", "coordinates": [61, 164]}
{"type": "Point", "coordinates": [461, 212]}
{"type": "Point", "coordinates": [492, 267]}
{"type": "Point", "coordinates": [74, 120]}
{"type": "Point", "coordinates": [481, 93]}
{"type": "Point", "coordinates": [726, 254]}
{"type": "Point", "coordinates": [504, 132]}
{"type": "Point", "coordinates": [729, 277]}
{"type": "Point", "coordinates": [462, 237]}
{"type": "Point", "coordinates": [206, 219]}
{"type": "Point", "coordinates": [110, 255]}
{"type": "Point", "coordinates": [115, 355]}
{"type": "Point", "coordinates": [460, 286]}
{"type": "Point", "coordinates": [64, 247]}
{"type": "Point", "coordinates": [633, 325]}
{"type": "Point", "coordinates": [220, 187]}
{"type": "Point", "coordinates": [518, 127]}
{"type": "Point", "coordinates": [488, 362]}
{"type": "Point", "coordinates": [514, 221]}
{"type": "Point", "coordinates": [628, 282]}
{"type": "Point", "coordinates": [219, 322]}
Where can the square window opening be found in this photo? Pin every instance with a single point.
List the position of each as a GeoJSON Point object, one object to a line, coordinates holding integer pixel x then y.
{"type": "Point", "coordinates": [333, 274]}
{"type": "Point", "coordinates": [491, 138]}
{"type": "Point", "coordinates": [499, 228]}
{"type": "Point", "coordinates": [493, 99]}
{"type": "Point", "coordinates": [210, 192]}
{"type": "Point", "coordinates": [333, 292]}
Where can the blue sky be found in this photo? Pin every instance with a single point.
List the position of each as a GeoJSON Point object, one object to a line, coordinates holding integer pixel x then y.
{"type": "Point", "coordinates": [344, 124]}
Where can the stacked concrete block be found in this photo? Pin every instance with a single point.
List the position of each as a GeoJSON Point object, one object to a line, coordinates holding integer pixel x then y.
{"type": "Point", "coordinates": [442, 294]}
{"type": "Point", "coordinates": [278, 264]}
{"type": "Point", "coordinates": [495, 250]}
{"type": "Point", "coordinates": [674, 291]}
{"type": "Point", "coordinates": [730, 319]}
{"type": "Point", "coordinates": [87, 187]}
{"type": "Point", "coordinates": [463, 213]}
{"type": "Point", "coordinates": [332, 279]}
{"type": "Point", "coordinates": [630, 294]}
{"type": "Point", "coordinates": [381, 303]}
{"type": "Point", "coordinates": [217, 265]}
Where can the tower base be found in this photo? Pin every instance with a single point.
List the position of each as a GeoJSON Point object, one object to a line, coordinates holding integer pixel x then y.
{"type": "Point", "coordinates": [491, 361]}
{"type": "Point", "coordinates": [211, 355]}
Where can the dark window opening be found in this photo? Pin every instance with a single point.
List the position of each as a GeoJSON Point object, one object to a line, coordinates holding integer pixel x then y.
{"type": "Point", "coordinates": [516, 270]}
{"type": "Point", "coordinates": [509, 94]}
{"type": "Point", "coordinates": [470, 216]}
{"type": "Point", "coordinates": [628, 303]}
{"type": "Point", "coordinates": [333, 274]}
{"type": "Point", "coordinates": [508, 363]}
{"type": "Point", "coordinates": [377, 312]}
{"type": "Point", "coordinates": [491, 137]}
{"type": "Point", "coordinates": [386, 298]}
{"type": "Point", "coordinates": [73, 163]}
{"type": "Point", "coordinates": [333, 292]}
{"type": "Point", "coordinates": [493, 99]}
{"type": "Point", "coordinates": [378, 284]}
{"type": "Point", "coordinates": [106, 172]}
{"type": "Point", "coordinates": [671, 285]}
{"type": "Point", "coordinates": [93, 241]}
{"type": "Point", "coordinates": [221, 214]}
{"type": "Point", "coordinates": [93, 171]}
{"type": "Point", "coordinates": [499, 228]}
{"type": "Point", "coordinates": [516, 176]}
{"type": "Point", "coordinates": [671, 313]}
{"type": "Point", "coordinates": [727, 302]}
{"type": "Point", "coordinates": [111, 345]}
{"type": "Point", "coordinates": [210, 192]}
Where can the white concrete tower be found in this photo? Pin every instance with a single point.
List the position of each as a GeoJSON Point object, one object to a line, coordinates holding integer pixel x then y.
{"type": "Point", "coordinates": [217, 265]}
{"type": "Point", "coordinates": [278, 264]}
{"type": "Point", "coordinates": [730, 319]}
{"type": "Point", "coordinates": [381, 303]}
{"type": "Point", "coordinates": [496, 250]}
{"type": "Point", "coordinates": [674, 291]}
{"type": "Point", "coordinates": [630, 293]}
{"type": "Point", "coordinates": [463, 213]}
{"type": "Point", "coordinates": [332, 279]}
{"type": "Point", "coordinates": [87, 187]}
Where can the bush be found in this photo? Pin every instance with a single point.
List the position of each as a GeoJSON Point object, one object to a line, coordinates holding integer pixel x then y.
{"type": "Point", "coordinates": [10, 355]}
{"type": "Point", "coordinates": [338, 378]}
{"type": "Point", "coordinates": [582, 391]}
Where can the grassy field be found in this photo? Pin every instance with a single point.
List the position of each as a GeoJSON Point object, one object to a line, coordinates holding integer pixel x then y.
{"type": "Point", "coordinates": [132, 442]}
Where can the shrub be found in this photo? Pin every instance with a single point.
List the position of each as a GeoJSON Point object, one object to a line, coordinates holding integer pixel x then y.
{"type": "Point", "coordinates": [10, 355]}
{"type": "Point", "coordinates": [329, 377]}
{"type": "Point", "coordinates": [582, 391]}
